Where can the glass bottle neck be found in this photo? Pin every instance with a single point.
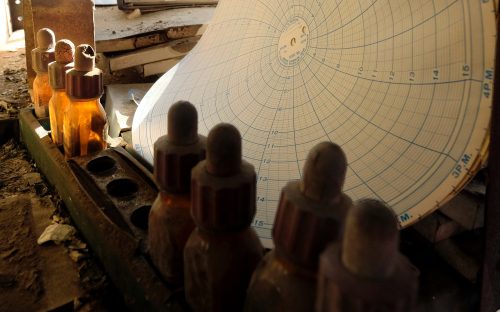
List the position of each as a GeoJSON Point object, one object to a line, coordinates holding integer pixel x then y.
{"type": "Point", "coordinates": [95, 101]}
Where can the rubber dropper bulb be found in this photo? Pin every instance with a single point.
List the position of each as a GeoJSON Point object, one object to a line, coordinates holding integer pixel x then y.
{"type": "Point", "coordinates": [43, 54]}
{"type": "Point", "coordinates": [84, 81]}
{"type": "Point", "coordinates": [371, 240]}
{"type": "Point", "coordinates": [324, 173]}
{"type": "Point", "coordinates": [177, 152]}
{"type": "Point", "coordinates": [84, 58]}
{"type": "Point", "coordinates": [182, 124]}
{"type": "Point", "coordinates": [224, 150]}
{"type": "Point", "coordinates": [311, 211]}
{"type": "Point", "coordinates": [65, 51]}
{"type": "Point", "coordinates": [45, 39]}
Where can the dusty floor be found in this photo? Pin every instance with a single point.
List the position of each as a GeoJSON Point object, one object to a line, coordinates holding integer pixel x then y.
{"type": "Point", "coordinates": [23, 265]}
{"type": "Point", "coordinates": [19, 270]}
{"type": "Point", "coordinates": [13, 89]}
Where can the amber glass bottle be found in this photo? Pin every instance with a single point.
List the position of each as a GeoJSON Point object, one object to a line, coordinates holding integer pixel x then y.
{"type": "Point", "coordinates": [84, 125]}
{"type": "Point", "coordinates": [366, 272]}
{"type": "Point", "coordinates": [309, 216]}
{"type": "Point", "coordinates": [170, 221]}
{"type": "Point", "coordinates": [41, 56]}
{"type": "Point", "coordinates": [59, 101]}
{"type": "Point", "coordinates": [223, 250]}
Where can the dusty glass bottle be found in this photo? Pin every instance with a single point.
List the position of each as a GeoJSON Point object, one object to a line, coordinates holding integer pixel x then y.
{"type": "Point", "coordinates": [84, 125]}
{"type": "Point", "coordinates": [170, 221]}
{"type": "Point", "coordinates": [366, 272]}
{"type": "Point", "coordinates": [223, 250]}
{"type": "Point", "coordinates": [41, 56]}
{"type": "Point", "coordinates": [59, 101]}
{"type": "Point", "coordinates": [309, 216]}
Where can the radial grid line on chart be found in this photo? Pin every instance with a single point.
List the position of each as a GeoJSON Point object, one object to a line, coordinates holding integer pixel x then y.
{"type": "Point", "coordinates": [401, 138]}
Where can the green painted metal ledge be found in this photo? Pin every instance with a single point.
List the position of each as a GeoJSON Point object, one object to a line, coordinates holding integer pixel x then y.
{"type": "Point", "coordinates": [129, 270]}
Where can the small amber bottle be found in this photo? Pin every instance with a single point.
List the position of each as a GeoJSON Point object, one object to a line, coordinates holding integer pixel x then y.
{"type": "Point", "coordinates": [223, 250]}
{"type": "Point", "coordinates": [366, 272]}
{"type": "Point", "coordinates": [41, 56]}
{"type": "Point", "coordinates": [59, 101]}
{"type": "Point", "coordinates": [310, 215]}
{"type": "Point", "coordinates": [85, 122]}
{"type": "Point", "coordinates": [170, 221]}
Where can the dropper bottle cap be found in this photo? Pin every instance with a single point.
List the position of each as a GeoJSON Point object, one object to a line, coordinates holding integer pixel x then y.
{"type": "Point", "coordinates": [43, 54]}
{"type": "Point", "coordinates": [180, 150]}
{"type": "Point", "coordinates": [64, 52]}
{"type": "Point", "coordinates": [370, 245]}
{"type": "Point", "coordinates": [366, 271]}
{"type": "Point", "coordinates": [223, 186]}
{"type": "Point", "coordinates": [84, 81]}
{"type": "Point", "coordinates": [311, 211]}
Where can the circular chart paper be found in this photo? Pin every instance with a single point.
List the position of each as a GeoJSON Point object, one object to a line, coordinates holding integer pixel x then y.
{"type": "Point", "coordinates": [405, 87]}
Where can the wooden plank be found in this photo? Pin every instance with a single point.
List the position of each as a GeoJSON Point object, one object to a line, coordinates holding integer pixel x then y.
{"type": "Point", "coordinates": [463, 263]}
{"type": "Point", "coordinates": [105, 2]}
{"type": "Point", "coordinates": [466, 209]}
{"type": "Point", "coordinates": [29, 39]}
{"type": "Point", "coordinates": [143, 6]}
{"type": "Point", "coordinates": [69, 19]}
{"type": "Point", "coordinates": [115, 45]}
{"type": "Point", "coordinates": [436, 227]}
{"type": "Point", "coordinates": [147, 40]}
{"type": "Point", "coordinates": [126, 44]}
{"type": "Point", "coordinates": [112, 23]}
{"type": "Point", "coordinates": [160, 67]}
{"type": "Point", "coordinates": [173, 49]}
{"type": "Point", "coordinates": [185, 31]}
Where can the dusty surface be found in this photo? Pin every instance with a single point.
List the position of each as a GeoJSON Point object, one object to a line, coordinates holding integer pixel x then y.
{"type": "Point", "coordinates": [13, 88]}
{"type": "Point", "coordinates": [19, 270]}
{"type": "Point", "coordinates": [19, 265]}
{"type": "Point", "coordinates": [23, 276]}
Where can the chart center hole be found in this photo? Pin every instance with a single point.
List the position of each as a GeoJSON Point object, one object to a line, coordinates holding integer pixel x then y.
{"type": "Point", "coordinates": [293, 42]}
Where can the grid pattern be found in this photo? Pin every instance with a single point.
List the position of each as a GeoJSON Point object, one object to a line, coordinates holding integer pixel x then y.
{"type": "Point", "coordinates": [404, 86]}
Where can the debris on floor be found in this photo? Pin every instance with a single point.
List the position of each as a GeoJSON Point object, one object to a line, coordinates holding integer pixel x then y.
{"type": "Point", "coordinates": [48, 276]}
{"type": "Point", "coordinates": [56, 233]}
{"type": "Point", "coordinates": [13, 88]}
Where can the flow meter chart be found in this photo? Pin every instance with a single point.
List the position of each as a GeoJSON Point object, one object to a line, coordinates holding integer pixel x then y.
{"type": "Point", "coordinates": [405, 87]}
